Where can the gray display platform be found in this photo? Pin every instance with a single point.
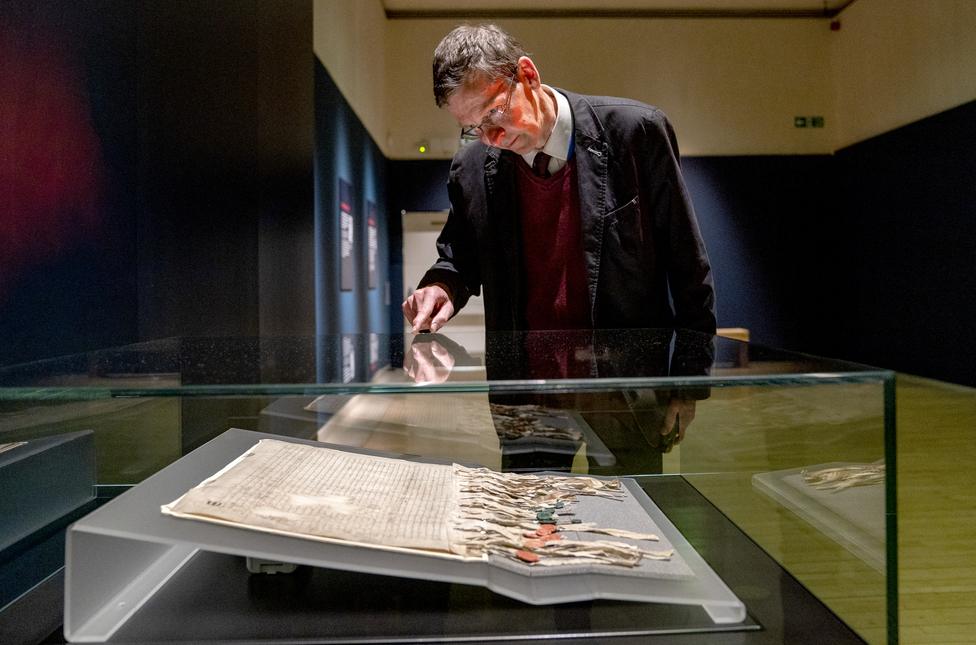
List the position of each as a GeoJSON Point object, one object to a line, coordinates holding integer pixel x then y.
{"type": "Point", "coordinates": [118, 557]}
{"type": "Point", "coordinates": [853, 517]}
{"type": "Point", "coordinates": [43, 480]}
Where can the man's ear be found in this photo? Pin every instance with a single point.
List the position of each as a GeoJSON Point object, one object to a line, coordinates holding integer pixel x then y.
{"type": "Point", "coordinates": [529, 72]}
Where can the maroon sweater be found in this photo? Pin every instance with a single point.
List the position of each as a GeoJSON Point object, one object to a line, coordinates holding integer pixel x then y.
{"type": "Point", "coordinates": [552, 250]}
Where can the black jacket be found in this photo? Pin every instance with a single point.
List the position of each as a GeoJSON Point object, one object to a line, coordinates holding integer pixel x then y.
{"type": "Point", "coordinates": [640, 235]}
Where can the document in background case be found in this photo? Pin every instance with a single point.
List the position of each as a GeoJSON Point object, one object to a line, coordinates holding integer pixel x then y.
{"type": "Point", "coordinates": [4, 447]}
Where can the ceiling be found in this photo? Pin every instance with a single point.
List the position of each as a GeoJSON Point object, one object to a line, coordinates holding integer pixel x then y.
{"type": "Point", "coordinates": [403, 9]}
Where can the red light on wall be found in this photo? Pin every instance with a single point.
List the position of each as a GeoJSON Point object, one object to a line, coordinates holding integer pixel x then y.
{"type": "Point", "coordinates": [50, 157]}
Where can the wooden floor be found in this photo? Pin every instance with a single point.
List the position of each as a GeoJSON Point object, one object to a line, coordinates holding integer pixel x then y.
{"type": "Point", "coordinates": [936, 511]}
{"type": "Point", "coordinates": [790, 427]}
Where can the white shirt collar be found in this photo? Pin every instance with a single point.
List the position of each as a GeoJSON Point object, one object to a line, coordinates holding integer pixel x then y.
{"type": "Point", "coordinates": [557, 146]}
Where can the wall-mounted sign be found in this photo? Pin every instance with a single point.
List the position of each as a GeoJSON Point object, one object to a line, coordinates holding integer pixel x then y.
{"type": "Point", "coordinates": [348, 359]}
{"type": "Point", "coordinates": [347, 265]}
{"type": "Point", "coordinates": [374, 352]}
{"type": "Point", "coordinates": [372, 242]}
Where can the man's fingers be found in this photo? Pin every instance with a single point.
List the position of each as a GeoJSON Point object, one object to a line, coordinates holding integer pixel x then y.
{"type": "Point", "coordinates": [670, 416]}
{"type": "Point", "coordinates": [416, 364]}
{"type": "Point", "coordinates": [439, 353]}
{"type": "Point", "coordinates": [422, 319]}
{"type": "Point", "coordinates": [413, 308]}
{"type": "Point", "coordinates": [422, 304]}
{"type": "Point", "coordinates": [442, 316]}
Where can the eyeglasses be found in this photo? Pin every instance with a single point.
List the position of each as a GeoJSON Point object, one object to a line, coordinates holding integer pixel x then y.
{"type": "Point", "coordinates": [494, 119]}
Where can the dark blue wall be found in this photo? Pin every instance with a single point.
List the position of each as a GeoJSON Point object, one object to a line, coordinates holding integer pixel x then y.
{"type": "Point", "coordinates": [419, 185]}
{"type": "Point", "coordinates": [761, 220]}
{"type": "Point", "coordinates": [906, 233]}
{"type": "Point", "coordinates": [345, 151]}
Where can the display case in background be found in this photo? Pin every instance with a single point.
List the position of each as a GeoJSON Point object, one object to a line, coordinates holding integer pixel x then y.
{"type": "Point", "coordinates": [739, 484]}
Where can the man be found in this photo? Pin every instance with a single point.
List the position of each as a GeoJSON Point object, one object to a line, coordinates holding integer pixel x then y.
{"type": "Point", "coordinates": [596, 242]}
{"type": "Point", "coordinates": [568, 211]}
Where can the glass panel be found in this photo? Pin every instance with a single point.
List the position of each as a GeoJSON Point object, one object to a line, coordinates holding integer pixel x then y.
{"type": "Point", "coordinates": [372, 363]}
{"type": "Point", "coordinates": [746, 426]}
{"type": "Point", "coordinates": [756, 452]}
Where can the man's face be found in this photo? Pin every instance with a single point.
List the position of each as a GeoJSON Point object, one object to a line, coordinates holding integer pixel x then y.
{"type": "Point", "coordinates": [509, 111]}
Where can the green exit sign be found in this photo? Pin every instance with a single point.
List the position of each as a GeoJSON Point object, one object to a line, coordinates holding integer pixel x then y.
{"type": "Point", "coordinates": [808, 122]}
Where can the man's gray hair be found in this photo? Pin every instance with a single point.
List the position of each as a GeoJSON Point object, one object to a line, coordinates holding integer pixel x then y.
{"type": "Point", "coordinates": [473, 50]}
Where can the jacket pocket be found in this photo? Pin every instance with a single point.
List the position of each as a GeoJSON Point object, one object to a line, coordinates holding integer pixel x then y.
{"type": "Point", "coordinates": [625, 230]}
{"type": "Point", "coordinates": [627, 211]}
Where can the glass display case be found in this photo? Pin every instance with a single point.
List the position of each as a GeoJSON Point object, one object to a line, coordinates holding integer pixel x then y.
{"type": "Point", "coordinates": [776, 467]}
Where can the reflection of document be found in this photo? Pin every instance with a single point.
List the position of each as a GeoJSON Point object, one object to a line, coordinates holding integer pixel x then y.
{"type": "Point", "coordinates": [329, 403]}
{"type": "Point", "coordinates": [537, 429]}
{"type": "Point", "coordinates": [533, 422]}
{"type": "Point", "coordinates": [459, 427]}
{"type": "Point", "coordinates": [348, 360]}
{"type": "Point", "coordinates": [326, 493]}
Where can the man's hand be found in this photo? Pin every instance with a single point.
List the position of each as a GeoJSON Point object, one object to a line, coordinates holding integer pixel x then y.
{"type": "Point", "coordinates": [680, 412]}
{"type": "Point", "coordinates": [428, 362]}
{"type": "Point", "coordinates": [428, 308]}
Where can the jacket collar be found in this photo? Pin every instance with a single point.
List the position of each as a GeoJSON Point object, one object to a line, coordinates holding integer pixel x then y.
{"type": "Point", "coordinates": [585, 123]}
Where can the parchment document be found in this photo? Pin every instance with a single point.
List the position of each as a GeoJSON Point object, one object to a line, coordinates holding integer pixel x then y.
{"type": "Point", "coordinates": [320, 492]}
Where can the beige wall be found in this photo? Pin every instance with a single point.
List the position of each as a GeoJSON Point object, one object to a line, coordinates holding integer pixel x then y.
{"type": "Point", "coordinates": [349, 39]}
{"type": "Point", "coordinates": [897, 61]}
{"type": "Point", "coordinates": [730, 86]}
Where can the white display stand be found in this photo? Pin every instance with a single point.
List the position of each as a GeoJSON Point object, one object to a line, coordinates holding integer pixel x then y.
{"type": "Point", "coordinates": [119, 556]}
